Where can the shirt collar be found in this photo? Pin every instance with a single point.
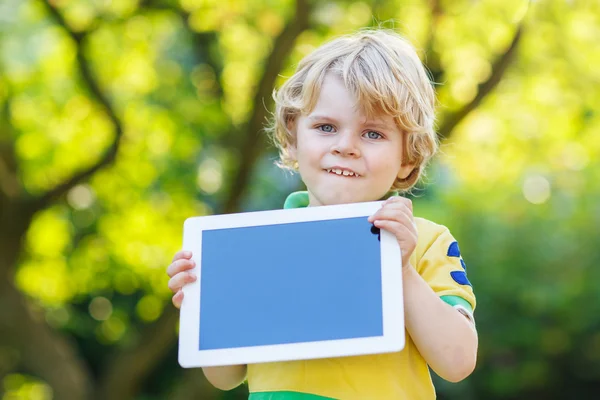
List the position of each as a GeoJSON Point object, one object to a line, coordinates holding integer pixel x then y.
{"type": "Point", "coordinates": [296, 200]}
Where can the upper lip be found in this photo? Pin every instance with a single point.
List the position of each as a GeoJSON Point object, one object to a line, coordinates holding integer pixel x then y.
{"type": "Point", "coordinates": [342, 169]}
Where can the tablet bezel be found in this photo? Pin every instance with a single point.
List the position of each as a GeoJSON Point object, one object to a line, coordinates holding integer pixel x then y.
{"type": "Point", "coordinates": [393, 338]}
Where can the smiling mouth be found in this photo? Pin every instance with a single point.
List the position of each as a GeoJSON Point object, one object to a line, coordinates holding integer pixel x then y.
{"type": "Point", "coordinates": [342, 172]}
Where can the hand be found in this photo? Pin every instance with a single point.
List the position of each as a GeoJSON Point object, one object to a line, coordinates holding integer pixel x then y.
{"type": "Point", "coordinates": [180, 275]}
{"type": "Point", "coordinates": [396, 217]}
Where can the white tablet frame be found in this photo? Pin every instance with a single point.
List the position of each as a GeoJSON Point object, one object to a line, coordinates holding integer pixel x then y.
{"type": "Point", "coordinates": [393, 338]}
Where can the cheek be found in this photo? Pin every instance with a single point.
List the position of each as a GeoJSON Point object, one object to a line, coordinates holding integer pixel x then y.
{"type": "Point", "coordinates": [385, 163]}
{"type": "Point", "coordinates": [386, 167]}
{"type": "Point", "coordinates": [390, 159]}
{"type": "Point", "coordinates": [308, 149]}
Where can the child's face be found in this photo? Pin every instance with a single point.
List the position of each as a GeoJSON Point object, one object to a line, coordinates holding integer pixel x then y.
{"type": "Point", "coordinates": [344, 157]}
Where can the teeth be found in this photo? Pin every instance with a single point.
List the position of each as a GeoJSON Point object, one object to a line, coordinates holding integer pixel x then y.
{"type": "Point", "coordinates": [338, 171]}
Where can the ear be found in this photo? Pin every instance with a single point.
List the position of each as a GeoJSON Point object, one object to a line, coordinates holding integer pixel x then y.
{"type": "Point", "coordinates": [407, 167]}
{"type": "Point", "coordinates": [406, 170]}
{"type": "Point", "coordinates": [291, 147]}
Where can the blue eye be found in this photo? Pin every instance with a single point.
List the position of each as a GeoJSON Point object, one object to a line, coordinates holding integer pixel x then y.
{"type": "Point", "coordinates": [373, 135]}
{"type": "Point", "coordinates": [326, 128]}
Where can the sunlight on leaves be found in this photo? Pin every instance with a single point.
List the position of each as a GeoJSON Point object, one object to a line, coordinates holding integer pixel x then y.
{"type": "Point", "coordinates": [149, 308]}
{"type": "Point", "coordinates": [50, 233]}
{"type": "Point", "coordinates": [47, 280]}
{"type": "Point", "coordinates": [242, 65]}
{"type": "Point", "coordinates": [112, 329]}
{"type": "Point", "coordinates": [79, 14]}
{"type": "Point", "coordinates": [23, 387]}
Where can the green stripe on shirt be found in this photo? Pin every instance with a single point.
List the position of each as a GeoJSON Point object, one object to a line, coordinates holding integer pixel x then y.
{"type": "Point", "coordinates": [457, 301]}
{"type": "Point", "coordinates": [286, 396]}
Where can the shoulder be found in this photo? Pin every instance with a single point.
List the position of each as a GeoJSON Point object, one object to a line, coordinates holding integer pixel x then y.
{"type": "Point", "coordinates": [429, 230]}
{"type": "Point", "coordinates": [431, 233]}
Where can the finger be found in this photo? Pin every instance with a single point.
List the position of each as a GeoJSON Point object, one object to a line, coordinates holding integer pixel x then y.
{"type": "Point", "coordinates": [397, 227]}
{"type": "Point", "coordinates": [395, 201]}
{"type": "Point", "coordinates": [398, 204]}
{"type": "Point", "coordinates": [402, 233]}
{"type": "Point", "coordinates": [407, 240]}
{"type": "Point", "coordinates": [395, 212]}
{"type": "Point", "coordinates": [179, 266]}
{"type": "Point", "coordinates": [401, 200]}
{"type": "Point", "coordinates": [177, 299]}
{"type": "Point", "coordinates": [182, 254]}
{"type": "Point", "coordinates": [181, 279]}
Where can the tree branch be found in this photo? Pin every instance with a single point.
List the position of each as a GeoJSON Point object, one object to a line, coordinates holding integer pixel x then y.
{"type": "Point", "coordinates": [125, 371]}
{"type": "Point", "coordinates": [201, 40]}
{"type": "Point", "coordinates": [432, 59]}
{"type": "Point", "coordinates": [10, 187]}
{"type": "Point", "coordinates": [88, 77]}
{"type": "Point", "coordinates": [252, 142]}
{"type": "Point", "coordinates": [42, 351]}
{"type": "Point", "coordinates": [9, 184]}
{"type": "Point", "coordinates": [498, 69]}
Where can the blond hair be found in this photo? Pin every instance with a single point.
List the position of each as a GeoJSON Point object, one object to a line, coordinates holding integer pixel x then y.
{"type": "Point", "coordinates": [384, 73]}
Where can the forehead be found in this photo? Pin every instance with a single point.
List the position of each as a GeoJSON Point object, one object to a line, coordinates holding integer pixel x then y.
{"type": "Point", "coordinates": [334, 95]}
{"type": "Point", "coordinates": [335, 101]}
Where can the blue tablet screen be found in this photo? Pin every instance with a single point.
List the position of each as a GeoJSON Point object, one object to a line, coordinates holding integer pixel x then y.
{"type": "Point", "coordinates": [290, 283]}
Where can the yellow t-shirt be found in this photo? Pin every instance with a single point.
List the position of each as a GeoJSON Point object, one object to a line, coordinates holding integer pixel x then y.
{"type": "Point", "coordinates": [400, 375]}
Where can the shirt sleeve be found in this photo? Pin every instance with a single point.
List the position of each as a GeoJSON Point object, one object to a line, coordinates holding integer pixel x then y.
{"type": "Point", "coordinates": [442, 267]}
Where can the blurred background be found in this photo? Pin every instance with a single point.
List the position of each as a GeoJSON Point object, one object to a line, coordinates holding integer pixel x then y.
{"type": "Point", "coordinates": [119, 119]}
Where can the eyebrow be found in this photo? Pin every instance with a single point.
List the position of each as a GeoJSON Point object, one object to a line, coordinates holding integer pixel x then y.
{"type": "Point", "coordinates": [378, 124]}
{"type": "Point", "coordinates": [319, 117]}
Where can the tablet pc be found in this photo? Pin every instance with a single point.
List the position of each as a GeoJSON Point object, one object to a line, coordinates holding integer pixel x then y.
{"type": "Point", "coordinates": [304, 283]}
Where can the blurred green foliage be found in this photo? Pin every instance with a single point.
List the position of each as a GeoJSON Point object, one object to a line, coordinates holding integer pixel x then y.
{"type": "Point", "coordinates": [516, 181]}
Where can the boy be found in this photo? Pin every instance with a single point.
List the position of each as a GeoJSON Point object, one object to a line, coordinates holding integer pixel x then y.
{"type": "Point", "coordinates": [356, 120]}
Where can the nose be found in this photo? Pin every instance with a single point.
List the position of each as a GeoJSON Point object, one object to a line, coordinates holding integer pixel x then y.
{"type": "Point", "coordinates": [345, 145]}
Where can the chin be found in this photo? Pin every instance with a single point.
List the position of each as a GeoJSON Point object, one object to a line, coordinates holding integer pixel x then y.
{"type": "Point", "coordinates": [342, 198]}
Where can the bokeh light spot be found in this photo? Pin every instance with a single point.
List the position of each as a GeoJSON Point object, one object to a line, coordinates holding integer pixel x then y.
{"type": "Point", "coordinates": [149, 308]}
{"type": "Point", "coordinates": [100, 308]}
{"type": "Point", "coordinates": [210, 176]}
{"type": "Point", "coordinates": [80, 197]}
{"type": "Point", "coordinates": [536, 189]}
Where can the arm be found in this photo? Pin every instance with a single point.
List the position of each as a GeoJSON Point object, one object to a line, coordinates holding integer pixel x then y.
{"type": "Point", "coordinates": [226, 378]}
{"type": "Point", "coordinates": [446, 338]}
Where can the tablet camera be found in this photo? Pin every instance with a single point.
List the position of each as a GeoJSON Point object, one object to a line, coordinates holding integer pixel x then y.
{"type": "Point", "coordinates": [376, 231]}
